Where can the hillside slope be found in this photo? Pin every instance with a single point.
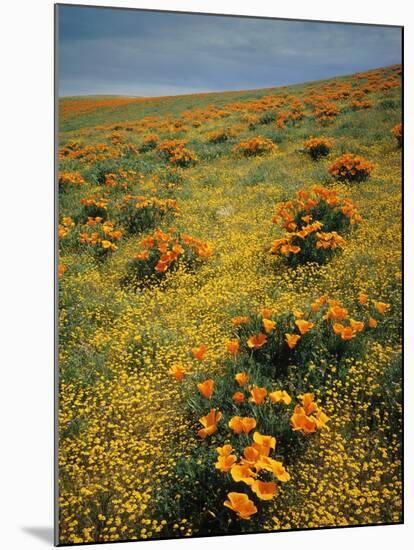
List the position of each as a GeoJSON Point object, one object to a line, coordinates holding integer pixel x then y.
{"type": "Point", "coordinates": [129, 454]}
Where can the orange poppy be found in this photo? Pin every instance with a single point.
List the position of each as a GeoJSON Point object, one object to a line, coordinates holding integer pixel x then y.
{"type": "Point", "coordinates": [238, 397]}
{"type": "Point", "coordinates": [381, 307]}
{"type": "Point", "coordinates": [292, 340]}
{"type": "Point", "coordinates": [336, 312]}
{"type": "Point", "coordinates": [200, 352]}
{"type": "Point", "coordinates": [362, 298]}
{"type": "Point", "coordinates": [257, 395]}
{"type": "Point", "coordinates": [256, 341]}
{"type": "Point", "coordinates": [280, 396]}
{"type": "Point", "coordinates": [178, 372]}
{"type": "Point", "coordinates": [236, 321]}
{"type": "Point", "coordinates": [242, 472]}
{"type": "Point", "coordinates": [241, 424]}
{"type": "Point", "coordinates": [316, 306]}
{"type": "Point", "coordinates": [233, 347]}
{"type": "Point", "coordinates": [225, 462]}
{"type": "Point", "coordinates": [206, 388]}
{"type": "Point", "coordinates": [357, 326]}
{"type": "Point", "coordinates": [250, 455]}
{"type": "Point", "coordinates": [298, 313]}
{"type": "Point", "coordinates": [372, 323]}
{"type": "Point", "coordinates": [265, 490]}
{"type": "Point", "coordinates": [209, 422]}
{"type": "Point", "coordinates": [301, 422]}
{"type": "Point", "coordinates": [268, 325]}
{"type": "Point", "coordinates": [308, 403]}
{"type": "Point", "coordinates": [226, 450]}
{"type": "Point", "coordinates": [161, 267]}
{"type": "Point", "coordinates": [338, 328]}
{"type": "Point", "coordinates": [263, 443]}
{"type": "Point", "coordinates": [61, 270]}
{"type": "Point", "coordinates": [304, 326]}
{"type": "Point", "coordinates": [241, 505]}
{"type": "Point", "coordinates": [348, 333]}
{"type": "Point", "coordinates": [242, 378]}
{"type": "Point", "coordinates": [273, 466]}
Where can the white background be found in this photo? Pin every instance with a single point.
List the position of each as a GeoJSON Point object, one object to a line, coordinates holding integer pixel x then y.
{"type": "Point", "coordinates": [26, 270]}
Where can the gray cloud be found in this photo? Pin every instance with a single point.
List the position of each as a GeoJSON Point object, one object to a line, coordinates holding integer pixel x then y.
{"type": "Point", "coordinates": [109, 51]}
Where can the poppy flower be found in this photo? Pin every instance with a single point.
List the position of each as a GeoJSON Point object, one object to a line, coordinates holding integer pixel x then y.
{"type": "Point", "coordinates": [372, 323]}
{"type": "Point", "coordinates": [236, 321]}
{"type": "Point", "coordinates": [290, 248]}
{"type": "Point", "coordinates": [381, 307]}
{"type": "Point", "coordinates": [163, 248]}
{"type": "Point", "coordinates": [178, 249]}
{"type": "Point", "coordinates": [292, 340]}
{"type": "Point", "coordinates": [251, 455]}
{"type": "Point", "coordinates": [226, 450]}
{"type": "Point", "coordinates": [273, 466]}
{"type": "Point", "coordinates": [266, 312]}
{"type": "Point", "coordinates": [338, 328]}
{"type": "Point", "coordinates": [178, 372]}
{"type": "Point", "coordinates": [161, 267]}
{"type": "Point", "coordinates": [200, 352]}
{"type": "Point", "coordinates": [256, 341]}
{"type": "Point", "coordinates": [308, 403]}
{"type": "Point", "coordinates": [241, 424]}
{"type": "Point", "coordinates": [362, 298]}
{"type": "Point", "coordinates": [268, 325]}
{"type": "Point", "coordinates": [298, 313]}
{"type": "Point", "coordinates": [209, 422]}
{"type": "Point", "coordinates": [225, 463]}
{"type": "Point", "coordinates": [280, 396]}
{"type": "Point", "coordinates": [316, 306]}
{"type": "Point", "coordinates": [263, 443]}
{"type": "Point", "coordinates": [336, 313]}
{"type": "Point", "coordinates": [206, 388]}
{"type": "Point", "coordinates": [238, 397]}
{"type": "Point", "coordinates": [265, 490]}
{"type": "Point", "coordinates": [300, 421]}
{"type": "Point", "coordinates": [258, 395]}
{"type": "Point", "coordinates": [357, 326]}
{"type": "Point", "coordinates": [242, 378]}
{"type": "Point", "coordinates": [348, 333]}
{"type": "Point", "coordinates": [304, 326]}
{"type": "Point", "coordinates": [233, 347]}
{"type": "Point", "coordinates": [242, 472]}
{"type": "Point", "coordinates": [241, 505]}
{"type": "Point", "coordinates": [61, 270]}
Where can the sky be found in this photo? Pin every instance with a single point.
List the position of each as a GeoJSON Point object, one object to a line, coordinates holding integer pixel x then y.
{"type": "Point", "coordinates": [137, 53]}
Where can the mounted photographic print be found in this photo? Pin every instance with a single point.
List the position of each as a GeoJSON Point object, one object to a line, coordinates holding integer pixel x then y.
{"type": "Point", "coordinates": [229, 274]}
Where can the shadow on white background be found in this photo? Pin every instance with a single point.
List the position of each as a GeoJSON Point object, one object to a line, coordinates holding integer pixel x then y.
{"type": "Point", "coordinates": [44, 534]}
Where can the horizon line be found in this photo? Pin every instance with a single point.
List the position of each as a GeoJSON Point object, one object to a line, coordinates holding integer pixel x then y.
{"type": "Point", "coordinates": [144, 97]}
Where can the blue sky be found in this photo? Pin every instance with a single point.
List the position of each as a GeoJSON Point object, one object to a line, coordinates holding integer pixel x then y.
{"type": "Point", "coordinates": [131, 52]}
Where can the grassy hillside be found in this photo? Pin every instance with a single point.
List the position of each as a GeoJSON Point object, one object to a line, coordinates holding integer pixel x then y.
{"type": "Point", "coordinates": [169, 213]}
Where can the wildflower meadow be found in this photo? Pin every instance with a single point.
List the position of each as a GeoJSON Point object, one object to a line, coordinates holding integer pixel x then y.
{"type": "Point", "coordinates": [230, 310]}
